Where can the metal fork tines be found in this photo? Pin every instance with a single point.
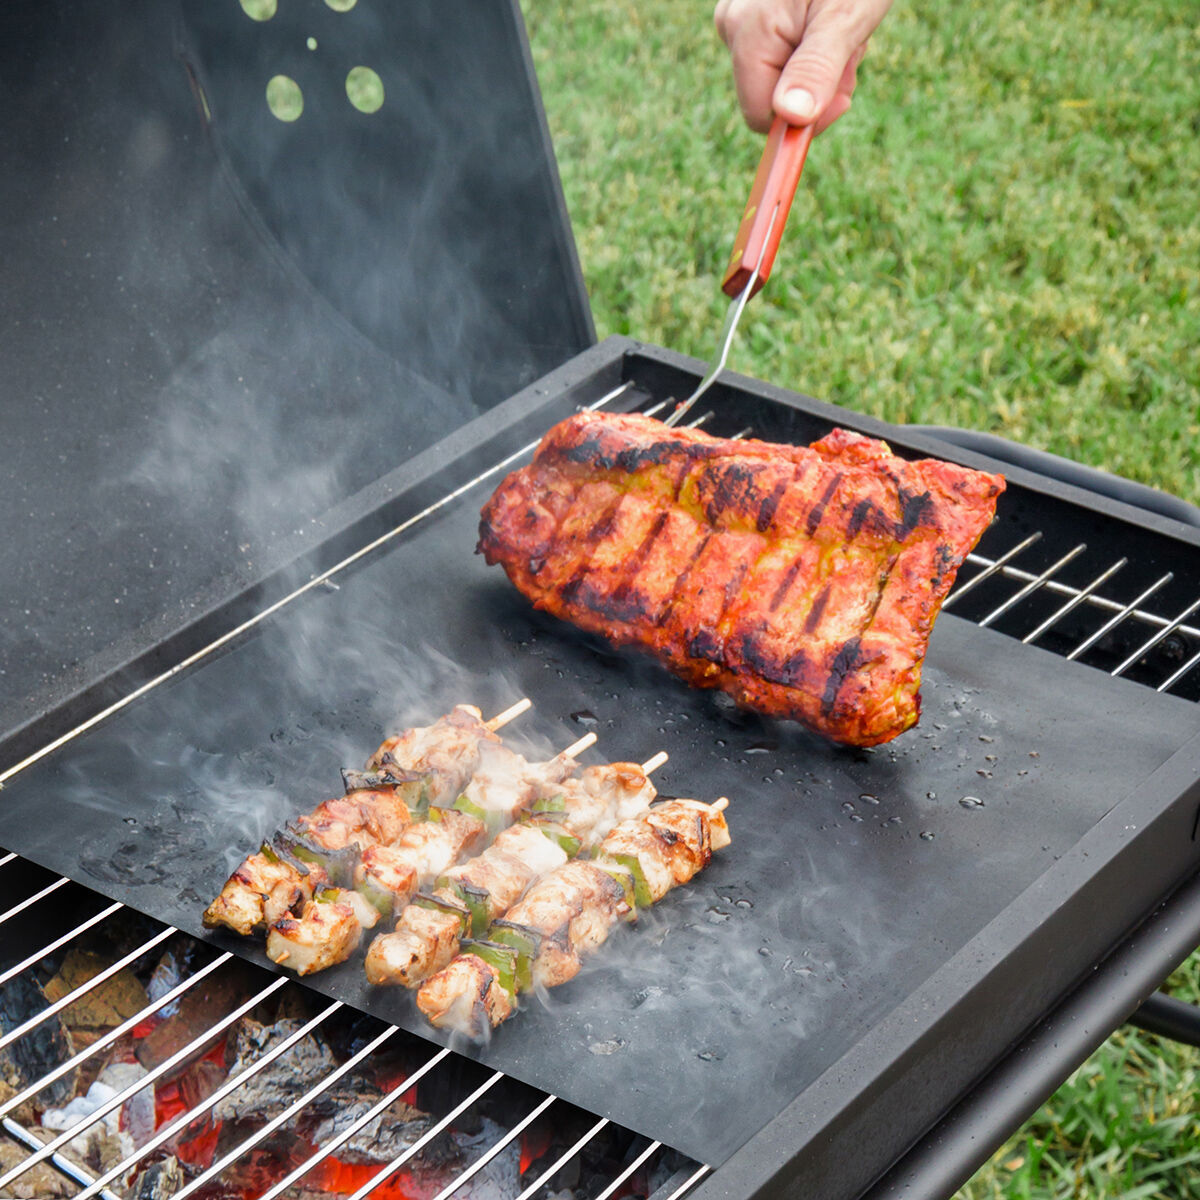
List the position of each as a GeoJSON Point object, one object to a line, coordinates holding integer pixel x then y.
{"type": "Point", "coordinates": [732, 317]}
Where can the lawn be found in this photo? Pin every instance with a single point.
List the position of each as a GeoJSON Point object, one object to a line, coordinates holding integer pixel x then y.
{"type": "Point", "coordinates": [1002, 235]}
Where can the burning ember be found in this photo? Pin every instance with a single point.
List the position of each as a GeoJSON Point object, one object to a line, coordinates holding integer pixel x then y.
{"type": "Point", "coordinates": [155, 1070]}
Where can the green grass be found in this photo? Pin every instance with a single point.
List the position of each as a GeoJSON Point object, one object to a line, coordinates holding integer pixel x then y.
{"type": "Point", "coordinates": [1003, 234]}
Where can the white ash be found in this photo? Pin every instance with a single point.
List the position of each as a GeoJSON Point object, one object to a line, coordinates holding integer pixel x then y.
{"type": "Point", "coordinates": [105, 1142]}
{"type": "Point", "coordinates": [500, 1179]}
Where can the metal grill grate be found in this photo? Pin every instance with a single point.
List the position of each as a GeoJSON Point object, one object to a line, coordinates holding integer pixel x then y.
{"type": "Point", "coordinates": [1086, 621]}
{"type": "Point", "coordinates": [625, 1154]}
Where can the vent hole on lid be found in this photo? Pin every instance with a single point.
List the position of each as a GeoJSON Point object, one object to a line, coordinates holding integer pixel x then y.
{"type": "Point", "coordinates": [259, 10]}
{"type": "Point", "coordinates": [284, 98]}
{"type": "Point", "coordinates": [365, 89]}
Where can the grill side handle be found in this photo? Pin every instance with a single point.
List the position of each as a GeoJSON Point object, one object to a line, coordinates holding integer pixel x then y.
{"type": "Point", "coordinates": [1064, 470]}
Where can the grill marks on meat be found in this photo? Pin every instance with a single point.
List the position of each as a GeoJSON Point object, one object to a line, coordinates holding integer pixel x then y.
{"type": "Point", "coordinates": [804, 581]}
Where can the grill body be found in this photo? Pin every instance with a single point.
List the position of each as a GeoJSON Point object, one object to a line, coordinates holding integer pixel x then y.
{"type": "Point", "coordinates": [832, 985]}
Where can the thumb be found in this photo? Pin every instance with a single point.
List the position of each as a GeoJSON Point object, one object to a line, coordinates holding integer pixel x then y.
{"type": "Point", "coordinates": [809, 79]}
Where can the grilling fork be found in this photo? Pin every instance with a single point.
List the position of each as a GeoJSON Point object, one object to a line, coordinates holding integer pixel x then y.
{"type": "Point", "coordinates": [758, 236]}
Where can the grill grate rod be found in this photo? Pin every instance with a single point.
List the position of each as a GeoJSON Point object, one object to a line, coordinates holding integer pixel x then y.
{"type": "Point", "coordinates": [58, 943]}
{"type": "Point", "coordinates": [1033, 584]}
{"type": "Point", "coordinates": [17, 909]}
{"type": "Point", "coordinates": [111, 1036]}
{"type": "Point", "coordinates": [563, 1159]}
{"type": "Point", "coordinates": [1153, 641]}
{"type": "Point", "coordinates": [71, 1170]}
{"type": "Point", "coordinates": [629, 1170]}
{"type": "Point", "coordinates": [287, 1114]}
{"type": "Point", "coordinates": [1120, 615]}
{"type": "Point", "coordinates": [382, 1175]}
{"type": "Point", "coordinates": [365, 1119]}
{"type": "Point", "coordinates": [186, 1118]}
{"type": "Point", "coordinates": [989, 568]}
{"type": "Point", "coordinates": [1190, 665]}
{"type": "Point", "coordinates": [78, 993]}
{"type": "Point", "coordinates": [1102, 602]}
{"type": "Point", "coordinates": [689, 1182]}
{"type": "Point", "coordinates": [145, 1081]}
{"type": "Point", "coordinates": [1075, 601]}
{"type": "Point", "coordinates": [486, 1158]}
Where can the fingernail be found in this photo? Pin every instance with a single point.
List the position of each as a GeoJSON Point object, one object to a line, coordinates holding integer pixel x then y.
{"type": "Point", "coordinates": [799, 103]}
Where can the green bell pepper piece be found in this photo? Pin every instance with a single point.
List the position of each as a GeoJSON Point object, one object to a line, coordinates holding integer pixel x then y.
{"type": "Point", "coordinates": [546, 804]}
{"type": "Point", "coordinates": [477, 902]}
{"type": "Point", "coordinates": [566, 842]}
{"type": "Point", "coordinates": [502, 959]}
{"type": "Point", "coordinates": [377, 896]}
{"type": "Point", "coordinates": [425, 900]}
{"type": "Point", "coordinates": [525, 942]}
{"type": "Point", "coordinates": [626, 877]}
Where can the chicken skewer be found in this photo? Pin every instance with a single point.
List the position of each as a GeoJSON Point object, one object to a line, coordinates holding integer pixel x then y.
{"type": "Point", "coordinates": [422, 763]}
{"type": "Point", "coordinates": [329, 926]}
{"type": "Point", "coordinates": [568, 819]}
{"type": "Point", "coordinates": [567, 915]}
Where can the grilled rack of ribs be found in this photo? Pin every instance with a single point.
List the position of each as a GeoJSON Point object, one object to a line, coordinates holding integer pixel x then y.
{"type": "Point", "coordinates": [802, 580]}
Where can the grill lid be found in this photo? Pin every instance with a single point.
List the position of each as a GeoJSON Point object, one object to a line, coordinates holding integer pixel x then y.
{"type": "Point", "coordinates": [220, 324]}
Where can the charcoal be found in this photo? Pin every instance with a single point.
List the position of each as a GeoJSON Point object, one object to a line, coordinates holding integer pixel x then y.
{"type": "Point", "coordinates": [159, 1181]}
{"type": "Point", "coordinates": [272, 1089]}
{"type": "Point", "coordinates": [40, 1050]}
{"type": "Point", "coordinates": [380, 1140]}
{"type": "Point", "coordinates": [40, 1182]}
{"type": "Point", "coordinates": [216, 994]}
{"type": "Point", "coordinates": [102, 1007]}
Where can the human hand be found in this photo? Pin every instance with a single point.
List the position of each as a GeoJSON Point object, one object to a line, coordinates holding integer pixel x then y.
{"type": "Point", "coordinates": [796, 58]}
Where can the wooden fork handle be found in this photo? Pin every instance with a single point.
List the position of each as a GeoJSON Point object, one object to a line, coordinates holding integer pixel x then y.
{"type": "Point", "coordinates": [771, 196]}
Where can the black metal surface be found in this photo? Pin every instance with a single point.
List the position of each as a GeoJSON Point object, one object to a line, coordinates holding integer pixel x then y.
{"type": "Point", "coordinates": [1168, 1017]}
{"type": "Point", "coordinates": [835, 979]}
{"type": "Point", "coordinates": [217, 325]}
{"type": "Point", "coordinates": [946, 1157]}
{"type": "Point", "coordinates": [1054, 466]}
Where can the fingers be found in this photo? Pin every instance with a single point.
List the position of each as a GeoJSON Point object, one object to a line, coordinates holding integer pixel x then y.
{"type": "Point", "coordinates": [761, 36]}
{"type": "Point", "coordinates": [797, 58]}
{"type": "Point", "coordinates": [840, 104]}
{"type": "Point", "coordinates": [826, 60]}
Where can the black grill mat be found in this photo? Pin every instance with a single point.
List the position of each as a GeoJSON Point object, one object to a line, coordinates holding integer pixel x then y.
{"type": "Point", "coordinates": [858, 883]}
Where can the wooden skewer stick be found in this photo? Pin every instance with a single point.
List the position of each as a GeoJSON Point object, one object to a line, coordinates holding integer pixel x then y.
{"type": "Point", "coordinates": [654, 762]}
{"type": "Point", "coordinates": [514, 710]}
{"type": "Point", "coordinates": [576, 748]}
{"type": "Point", "coordinates": [719, 805]}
